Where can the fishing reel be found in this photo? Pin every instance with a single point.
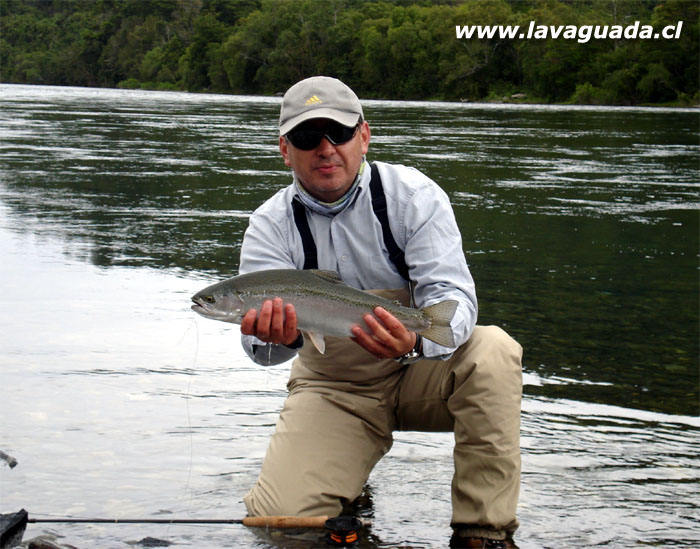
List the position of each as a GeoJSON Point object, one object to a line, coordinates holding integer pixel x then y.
{"type": "Point", "coordinates": [343, 531]}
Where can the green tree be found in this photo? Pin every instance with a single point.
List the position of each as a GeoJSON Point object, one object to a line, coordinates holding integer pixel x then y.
{"type": "Point", "coordinates": [123, 54]}
{"type": "Point", "coordinates": [470, 66]}
{"type": "Point", "coordinates": [673, 65]}
{"type": "Point", "coordinates": [395, 49]}
{"type": "Point", "coordinates": [201, 56]}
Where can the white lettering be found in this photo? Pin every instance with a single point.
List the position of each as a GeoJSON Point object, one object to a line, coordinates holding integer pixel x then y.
{"type": "Point", "coordinates": [631, 31]}
{"type": "Point", "coordinates": [678, 32]}
{"type": "Point", "coordinates": [616, 32]}
{"type": "Point", "coordinates": [570, 33]}
{"type": "Point", "coordinates": [646, 32]}
{"type": "Point", "coordinates": [582, 33]}
{"type": "Point", "coordinates": [486, 32]}
{"type": "Point", "coordinates": [465, 32]}
{"type": "Point", "coordinates": [600, 32]}
{"type": "Point", "coordinates": [508, 31]}
{"type": "Point", "coordinates": [585, 34]}
{"type": "Point", "coordinates": [556, 31]}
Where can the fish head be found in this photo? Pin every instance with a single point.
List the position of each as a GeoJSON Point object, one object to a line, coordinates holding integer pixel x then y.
{"type": "Point", "coordinates": [219, 302]}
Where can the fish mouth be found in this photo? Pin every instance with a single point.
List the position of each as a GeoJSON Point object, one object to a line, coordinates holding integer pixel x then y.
{"type": "Point", "coordinates": [198, 306]}
{"type": "Point", "coordinates": [204, 309]}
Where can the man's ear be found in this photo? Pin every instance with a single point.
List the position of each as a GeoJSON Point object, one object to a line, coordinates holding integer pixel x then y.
{"type": "Point", "coordinates": [365, 135]}
{"type": "Point", "coordinates": [284, 150]}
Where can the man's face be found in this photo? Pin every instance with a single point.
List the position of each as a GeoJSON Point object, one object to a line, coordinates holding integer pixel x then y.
{"type": "Point", "coordinates": [327, 171]}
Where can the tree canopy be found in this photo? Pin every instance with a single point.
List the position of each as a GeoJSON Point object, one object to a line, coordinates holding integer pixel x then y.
{"type": "Point", "coordinates": [390, 49]}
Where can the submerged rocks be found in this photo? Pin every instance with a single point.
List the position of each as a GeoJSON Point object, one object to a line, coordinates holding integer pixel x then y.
{"type": "Point", "coordinates": [153, 542]}
{"type": "Point", "coordinates": [45, 541]}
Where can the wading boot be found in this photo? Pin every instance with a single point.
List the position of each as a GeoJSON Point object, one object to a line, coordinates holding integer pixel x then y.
{"type": "Point", "coordinates": [481, 543]}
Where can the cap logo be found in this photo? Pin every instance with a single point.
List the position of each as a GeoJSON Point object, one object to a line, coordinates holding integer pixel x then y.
{"type": "Point", "coordinates": [313, 100]}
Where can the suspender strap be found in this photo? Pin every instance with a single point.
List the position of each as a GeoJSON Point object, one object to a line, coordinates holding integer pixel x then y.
{"type": "Point", "coordinates": [379, 206]}
{"type": "Point", "coordinates": [307, 239]}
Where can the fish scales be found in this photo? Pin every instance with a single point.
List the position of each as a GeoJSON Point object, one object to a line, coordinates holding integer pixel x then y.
{"type": "Point", "coordinates": [351, 304]}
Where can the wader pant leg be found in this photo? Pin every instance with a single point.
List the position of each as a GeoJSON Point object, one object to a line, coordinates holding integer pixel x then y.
{"type": "Point", "coordinates": [477, 393]}
{"type": "Point", "coordinates": [326, 443]}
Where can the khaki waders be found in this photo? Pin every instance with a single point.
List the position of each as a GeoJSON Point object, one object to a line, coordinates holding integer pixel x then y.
{"type": "Point", "coordinates": [343, 406]}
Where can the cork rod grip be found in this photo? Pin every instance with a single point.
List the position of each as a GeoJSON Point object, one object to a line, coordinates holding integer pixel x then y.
{"type": "Point", "coordinates": [286, 522]}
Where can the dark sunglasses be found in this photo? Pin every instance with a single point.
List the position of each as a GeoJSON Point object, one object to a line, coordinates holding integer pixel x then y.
{"type": "Point", "coordinates": [308, 138]}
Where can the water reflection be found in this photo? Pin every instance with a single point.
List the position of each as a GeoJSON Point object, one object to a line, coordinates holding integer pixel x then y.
{"type": "Point", "coordinates": [581, 229]}
{"type": "Point", "coordinates": [637, 470]}
{"type": "Point", "coordinates": [580, 224]}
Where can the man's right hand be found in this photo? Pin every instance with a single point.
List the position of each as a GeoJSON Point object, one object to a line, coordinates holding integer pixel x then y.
{"type": "Point", "coordinates": [276, 323]}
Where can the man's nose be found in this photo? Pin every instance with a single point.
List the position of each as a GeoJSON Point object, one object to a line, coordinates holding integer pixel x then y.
{"type": "Point", "coordinates": [325, 147]}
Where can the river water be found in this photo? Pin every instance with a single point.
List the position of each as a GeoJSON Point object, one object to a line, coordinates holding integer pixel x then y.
{"type": "Point", "coordinates": [580, 226]}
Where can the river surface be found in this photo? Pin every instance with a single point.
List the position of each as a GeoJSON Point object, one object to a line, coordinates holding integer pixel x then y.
{"type": "Point", "coordinates": [580, 226]}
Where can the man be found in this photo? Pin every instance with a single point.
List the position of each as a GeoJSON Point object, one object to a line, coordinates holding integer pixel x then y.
{"type": "Point", "coordinates": [388, 229]}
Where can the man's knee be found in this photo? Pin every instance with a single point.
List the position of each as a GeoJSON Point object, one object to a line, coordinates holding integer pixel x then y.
{"type": "Point", "coordinates": [490, 355]}
{"type": "Point", "coordinates": [261, 501]}
{"type": "Point", "coordinates": [492, 345]}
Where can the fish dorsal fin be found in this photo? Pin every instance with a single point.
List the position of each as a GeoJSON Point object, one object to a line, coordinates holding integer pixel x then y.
{"type": "Point", "coordinates": [318, 341]}
{"type": "Point", "coordinates": [330, 276]}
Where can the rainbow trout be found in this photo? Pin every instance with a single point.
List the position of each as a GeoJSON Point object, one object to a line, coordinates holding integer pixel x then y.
{"type": "Point", "coordinates": [323, 303]}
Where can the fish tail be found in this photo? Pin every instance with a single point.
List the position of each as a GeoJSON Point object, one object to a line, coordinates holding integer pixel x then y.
{"type": "Point", "coordinates": [440, 315]}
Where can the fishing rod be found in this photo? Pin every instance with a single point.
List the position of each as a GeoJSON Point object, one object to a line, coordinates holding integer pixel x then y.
{"type": "Point", "coordinates": [265, 522]}
{"type": "Point", "coordinates": [343, 531]}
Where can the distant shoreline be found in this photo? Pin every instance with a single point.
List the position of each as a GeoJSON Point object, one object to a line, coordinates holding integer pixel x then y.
{"type": "Point", "coordinates": [535, 102]}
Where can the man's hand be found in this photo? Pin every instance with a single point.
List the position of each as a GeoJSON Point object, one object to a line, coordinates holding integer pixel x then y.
{"type": "Point", "coordinates": [276, 323]}
{"type": "Point", "coordinates": [388, 338]}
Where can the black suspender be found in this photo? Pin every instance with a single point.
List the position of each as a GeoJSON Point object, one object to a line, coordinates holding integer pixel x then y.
{"type": "Point", "coordinates": [379, 206]}
{"type": "Point", "coordinates": [307, 239]}
{"type": "Point", "coordinates": [380, 210]}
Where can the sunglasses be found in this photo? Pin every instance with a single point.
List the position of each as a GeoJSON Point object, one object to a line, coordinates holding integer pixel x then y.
{"type": "Point", "coordinates": [308, 138]}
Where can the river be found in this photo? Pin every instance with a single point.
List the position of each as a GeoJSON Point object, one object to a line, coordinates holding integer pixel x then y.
{"type": "Point", "coordinates": [580, 226]}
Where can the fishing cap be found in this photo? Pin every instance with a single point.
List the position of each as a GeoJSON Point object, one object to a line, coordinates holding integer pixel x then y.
{"type": "Point", "coordinates": [319, 97]}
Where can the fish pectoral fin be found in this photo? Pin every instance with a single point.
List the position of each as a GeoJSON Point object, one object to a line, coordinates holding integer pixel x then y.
{"type": "Point", "coordinates": [318, 341]}
{"type": "Point", "coordinates": [330, 276]}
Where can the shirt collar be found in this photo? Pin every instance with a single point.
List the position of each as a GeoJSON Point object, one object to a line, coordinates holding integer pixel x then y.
{"type": "Point", "coordinates": [330, 208]}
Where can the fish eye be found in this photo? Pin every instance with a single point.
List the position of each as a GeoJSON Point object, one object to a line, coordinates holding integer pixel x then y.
{"type": "Point", "coordinates": [208, 299]}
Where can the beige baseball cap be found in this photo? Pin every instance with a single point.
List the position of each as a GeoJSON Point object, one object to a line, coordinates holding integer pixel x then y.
{"type": "Point", "coordinates": [319, 97]}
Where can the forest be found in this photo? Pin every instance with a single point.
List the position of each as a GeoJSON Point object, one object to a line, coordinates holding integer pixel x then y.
{"type": "Point", "coordinates": [383, 49]}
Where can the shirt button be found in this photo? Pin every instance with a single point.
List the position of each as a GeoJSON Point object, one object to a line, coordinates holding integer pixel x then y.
{"type": "Point", "coordinates": [344, 258]}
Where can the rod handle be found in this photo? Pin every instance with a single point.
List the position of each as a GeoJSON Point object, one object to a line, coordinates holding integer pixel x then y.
{"type": "Point", "coordinates": [286, 522]}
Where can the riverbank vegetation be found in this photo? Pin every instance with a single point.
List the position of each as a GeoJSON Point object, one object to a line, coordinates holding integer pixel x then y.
{"type": "Point", "coordinates": [384, 49]}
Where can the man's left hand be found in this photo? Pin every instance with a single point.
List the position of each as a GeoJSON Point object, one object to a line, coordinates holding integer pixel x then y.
{"type": "Point", "coordinates": [388, 337]}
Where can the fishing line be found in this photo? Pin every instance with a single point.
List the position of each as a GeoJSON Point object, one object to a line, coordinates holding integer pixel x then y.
{"type": "Point", "coordinates": [187, 405]}
{"type": "Point", "coordinates": [187, 401]}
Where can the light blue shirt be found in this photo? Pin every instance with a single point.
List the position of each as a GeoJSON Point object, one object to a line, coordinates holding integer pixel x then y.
{"type": "Point", "coordinates": [351, 243]}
